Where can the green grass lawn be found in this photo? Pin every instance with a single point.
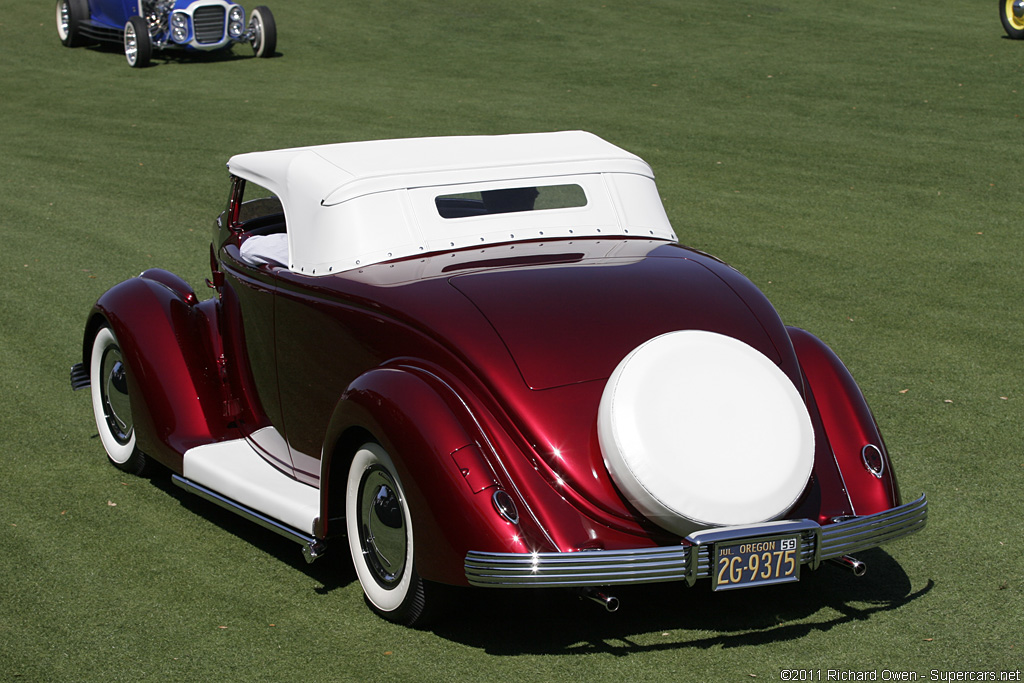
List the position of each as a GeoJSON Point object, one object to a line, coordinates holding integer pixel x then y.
{"type": "Point", "coordinates": [860, 161]}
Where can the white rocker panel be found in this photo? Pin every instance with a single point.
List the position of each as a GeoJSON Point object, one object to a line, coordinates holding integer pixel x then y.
{"type": "Point", "coordinates": [233, 469]}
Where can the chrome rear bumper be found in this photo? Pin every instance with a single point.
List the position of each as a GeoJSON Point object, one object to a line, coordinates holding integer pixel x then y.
{"type": "Point", "coordinates": [688, 562]}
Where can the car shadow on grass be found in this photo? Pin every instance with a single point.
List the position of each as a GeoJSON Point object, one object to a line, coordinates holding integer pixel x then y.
{"type": "Point", "coordinates": [666, 616]}
{"type": "Point", "coordinates": [181, 57]}
{"type": "Point", "coordinates": [333, 570]}
{"type": "Point", "coordinates": [186, 58]}
{"type": "Point", "coordinates": [671, 616]}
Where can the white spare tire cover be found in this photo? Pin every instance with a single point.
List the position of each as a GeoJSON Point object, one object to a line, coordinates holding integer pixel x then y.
{"type": "Point", "coordinates": [698, 429]}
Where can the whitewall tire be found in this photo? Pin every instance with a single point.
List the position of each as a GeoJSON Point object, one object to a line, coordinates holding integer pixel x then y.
{"type": "Point", "coordinates": [111, 403]}
{"type": "Point", "coordinates": [380, 537]}
{"type": "Point", "coordinates": [264, 32]}
{"type": "Point", "coordinates": [70, 14]}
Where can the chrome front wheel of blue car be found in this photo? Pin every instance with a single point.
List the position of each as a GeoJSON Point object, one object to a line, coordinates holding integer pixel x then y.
{"type": "Point", "coordinates": [138, 46]}
{"type": "Point", "coordinates": [264, 32]}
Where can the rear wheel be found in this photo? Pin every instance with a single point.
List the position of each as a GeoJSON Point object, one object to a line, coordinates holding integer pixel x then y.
{"type": "Point", "coordinates": [111, 403]}
{"type": "Point", "coordinates": [1011, 13]}
{"type": "Point", "coordinates": [138, 46]}
{"type": "Point", "coordinates": [380, 538]}
{"type": "Point", "coordinates": [264, 32]}
{"type": "Point", "coordinates": [70, 14]}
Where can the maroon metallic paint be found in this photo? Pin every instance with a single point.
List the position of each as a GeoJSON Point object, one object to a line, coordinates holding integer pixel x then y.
{"type": "Point", "coordinates": [555, 428]}
{"type": "Point", "coordinates": [248, 309]}
{"type": "Point", "coordinates": [422, 421]}
{"type": "Point", "coordinates": [166, 340]}
{"type": "Point", "coordinates": [363, 318]}
{"type": "Point", "coordinates": [503, 351]}
{"type": "Point", "coordinates": [528, 308]}
{"type": "Point", "coordinates": [849, 424]}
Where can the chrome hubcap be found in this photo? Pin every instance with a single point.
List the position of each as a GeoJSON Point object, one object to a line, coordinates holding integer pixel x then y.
{"type": "Point", "coordinates": [65, 21]}
{"type": "Point", "coordinates": [131, 44]}
{"type": "Point", "coordinates": [1018, 8]}
{"type": "Point", "coordinates": [114, 390]}
{"type": "Point", "coordinates": [382, 527]}
{"type": "Point", "coordinates": [256, 28]}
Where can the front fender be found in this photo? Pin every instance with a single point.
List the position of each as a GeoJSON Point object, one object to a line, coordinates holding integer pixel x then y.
{"type": "Point", "coordinates": [438, 449]}
{"type": "Point", "coordinates": [167, 340]}
{"type": "Point", "coordinates": [849, 425]}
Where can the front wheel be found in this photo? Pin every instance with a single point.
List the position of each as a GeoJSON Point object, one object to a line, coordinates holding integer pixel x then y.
{"type": "Point", "coordinates": [380, 538]}
{"type": "Point", "coordinates": [264, 32]}
{"type": "Point", "coordinates": [70, 14]}
{"type": "Point", "coordinates": [1011, 13]}
{"type": "Point", "coordinates": [111, 403]}
{"type": "Point", "coordinates": [138, 46]}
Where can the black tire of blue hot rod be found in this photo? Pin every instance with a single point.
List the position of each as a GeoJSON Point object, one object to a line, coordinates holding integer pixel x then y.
{"type": "Point", "coordinates": [70, 14]}
{"type": "Point", "coordinates": [138, 46]}
{"type": "Point", "coordinates": [264, 40]}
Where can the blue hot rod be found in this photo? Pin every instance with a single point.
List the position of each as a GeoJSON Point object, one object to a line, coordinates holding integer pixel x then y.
{"type": "Point", "coordinates": [145, 26]}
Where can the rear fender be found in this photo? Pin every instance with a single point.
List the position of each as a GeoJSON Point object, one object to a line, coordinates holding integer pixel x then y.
{"type": "Point", "coordinates": [168, 341]}
{"type": "Point", "coordinates": [849, 426]}
{"type": "Point", "coordinates": [439, 452]}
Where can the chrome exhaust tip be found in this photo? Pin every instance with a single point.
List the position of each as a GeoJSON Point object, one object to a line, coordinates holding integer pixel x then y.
{"type": "Point", "coordinates": [609, 602]}
{"type": "Point", "coordinates": [852, 563]}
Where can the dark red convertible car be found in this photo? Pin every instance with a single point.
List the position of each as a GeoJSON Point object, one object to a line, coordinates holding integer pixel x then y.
{"type": "Point", "coordinates": [487, 361]}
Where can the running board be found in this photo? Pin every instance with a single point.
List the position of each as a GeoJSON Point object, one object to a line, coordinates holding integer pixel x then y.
{"type": "Point", "coordinates": [312, 548]}
{"type": "Point", "coordinates": [233, 475]}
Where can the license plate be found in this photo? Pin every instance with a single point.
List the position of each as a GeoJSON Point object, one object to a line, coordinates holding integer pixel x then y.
{"type": "Point", "coordinates": [756, 562]}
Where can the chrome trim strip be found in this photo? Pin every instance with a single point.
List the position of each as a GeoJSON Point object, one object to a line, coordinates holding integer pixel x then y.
{"type": "Point", "coordinates": [585, 568]}
{"type": "Point", "coordinates": [687, 562]}
{"type": "Point", "coordinates": [209, 24]}
{"type": "Point", "coordinates": [861, 533]}
{"type": "Point", "coordinates": [731, 533]}
{"type": "Point", "coordinates": [312, 548]}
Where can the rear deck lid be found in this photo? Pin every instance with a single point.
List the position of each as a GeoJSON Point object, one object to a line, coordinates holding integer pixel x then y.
{"type": "Point", "coordinates": [570, 323]}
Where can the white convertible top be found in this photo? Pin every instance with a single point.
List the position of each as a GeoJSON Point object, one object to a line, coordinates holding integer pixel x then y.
{"type": "Point", "coordinates": [352, 204]}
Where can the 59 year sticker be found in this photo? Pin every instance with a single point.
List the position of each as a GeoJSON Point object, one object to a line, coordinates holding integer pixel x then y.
{"type": "Point", "coordinates": [756, 562]}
